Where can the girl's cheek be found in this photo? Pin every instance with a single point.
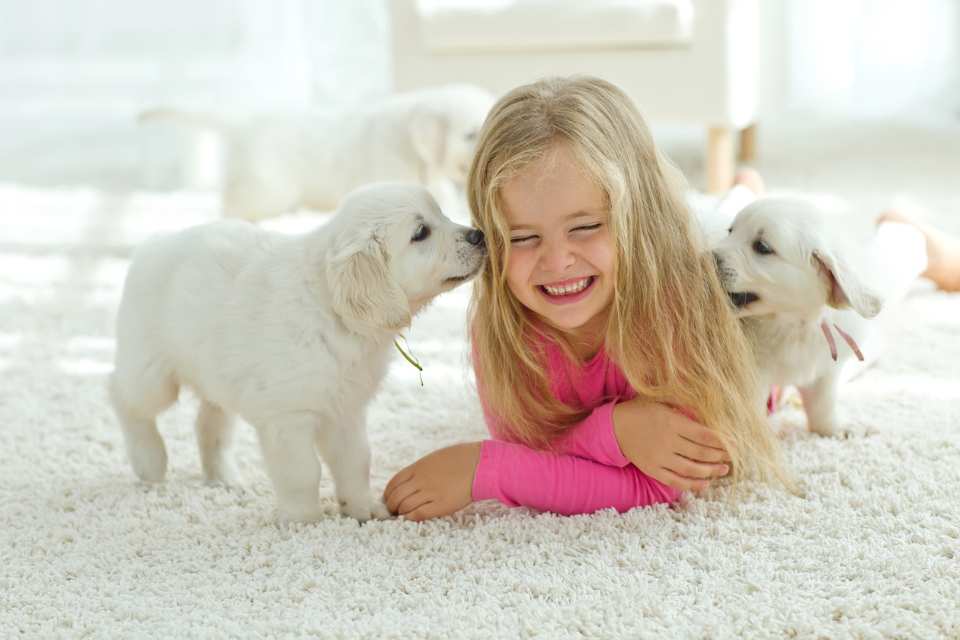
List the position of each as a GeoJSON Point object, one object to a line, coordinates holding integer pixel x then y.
{"type": "Point", "coordinates": [603, 250]}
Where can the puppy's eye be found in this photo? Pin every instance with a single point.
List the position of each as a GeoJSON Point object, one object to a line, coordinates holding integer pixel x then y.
{"type": "Point", "coordinates": [761, 247]}
{"type": "Point", "coordinates": [730, 230]}
{"type": "Point", "coordinates": [421, 234]}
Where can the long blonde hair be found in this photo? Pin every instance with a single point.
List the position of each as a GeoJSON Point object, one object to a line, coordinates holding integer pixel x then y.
{"type": "Point", "coordinates": [670, 330]}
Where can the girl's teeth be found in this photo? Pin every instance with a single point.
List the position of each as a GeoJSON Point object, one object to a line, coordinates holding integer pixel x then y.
{"type": "Point", "coordinates": [576, 287]}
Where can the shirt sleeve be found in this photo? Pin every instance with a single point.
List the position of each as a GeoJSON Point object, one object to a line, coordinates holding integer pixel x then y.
{"type": "Point", "coordinates": [566, 484]}
{"type": "Point", "coordinates": [591, 438]}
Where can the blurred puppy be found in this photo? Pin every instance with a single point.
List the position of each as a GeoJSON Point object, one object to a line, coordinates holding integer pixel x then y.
{"type": "Point", "coordinates": [276, 163]}
{"type": "Point", "coordinates": [292, 333]}
{"type": "Point", "coordinates": [802, 305]}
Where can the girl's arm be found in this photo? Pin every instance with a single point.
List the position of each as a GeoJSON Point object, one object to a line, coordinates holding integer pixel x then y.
{"type": "Point", "coordinates": [592, 438]}
{"type": "Point", "coordinates": [561, 483]}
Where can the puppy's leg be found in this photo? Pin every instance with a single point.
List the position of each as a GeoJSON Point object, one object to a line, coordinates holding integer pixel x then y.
{"type": "Point", "coordinates": [346, 451]}
{"type": "Point", "coordinates": [137, 401]}
{"type": "Point", "coordinates": [294, 468]}
{"type": "Point", "coordinates": [819, 403]}
{"type": "Point", "coordinates": [215, 430]}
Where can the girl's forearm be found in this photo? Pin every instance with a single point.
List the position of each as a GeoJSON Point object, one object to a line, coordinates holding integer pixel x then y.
{"type": "Point", "coordinates": [516, 475]}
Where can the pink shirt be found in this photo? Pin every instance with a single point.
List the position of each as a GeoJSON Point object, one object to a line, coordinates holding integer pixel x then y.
{"type": "Point", "coordinates": [586, 471]}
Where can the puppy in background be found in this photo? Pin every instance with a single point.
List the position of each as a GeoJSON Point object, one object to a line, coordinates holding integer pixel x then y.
{"type": "Point", "coordinates": [275, 163]}
{"type": "Point", "coordinates": [803, 304]}
{"type": "Point", "coordinates": [291, 333]}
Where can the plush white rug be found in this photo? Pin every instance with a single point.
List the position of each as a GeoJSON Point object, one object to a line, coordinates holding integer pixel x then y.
{"type": "Point", "coordinates": [872, 550]}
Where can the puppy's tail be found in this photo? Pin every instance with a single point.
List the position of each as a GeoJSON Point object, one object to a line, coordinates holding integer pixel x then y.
{"type": "Point", "coordinates": [193, 119]}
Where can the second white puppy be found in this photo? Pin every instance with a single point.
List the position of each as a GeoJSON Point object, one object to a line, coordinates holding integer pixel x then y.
{"type": "Point", "coordinates": [801, 303]}
{"type": "Point", "coordinates": [291, 333]}
{"type": "Point", "coordinates": [277, 162]}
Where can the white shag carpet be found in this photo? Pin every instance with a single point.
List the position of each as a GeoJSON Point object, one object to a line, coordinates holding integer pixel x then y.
{"type": "Point", "coordinates": [872, 550]}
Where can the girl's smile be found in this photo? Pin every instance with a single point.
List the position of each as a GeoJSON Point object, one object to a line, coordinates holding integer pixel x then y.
{"type": "Point", "coordinates": [568, 291]}
{"type": "Point", "coordinates": [560, 263]}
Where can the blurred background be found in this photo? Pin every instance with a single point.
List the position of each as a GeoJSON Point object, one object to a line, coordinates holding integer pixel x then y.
{"type": "Point", "coordinates": [875, 77]}
{"type": "Point", "coordinates": [74, 75]}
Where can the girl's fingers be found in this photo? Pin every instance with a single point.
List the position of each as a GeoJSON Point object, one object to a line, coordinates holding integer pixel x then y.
{"type": "Point", "coordinates": [413, 502]}
{"type": "Point", "coordinates": [399, 494]}
{"type": "Point", "coordinates": [399, 478]}
{"type": "Point", "coordinates": [700, 435]}
{"type": "Point", "coordinates": [697, 470]}
{"type": "Point", "coordinates": [699, 453]}
{"type": "Point", "coordinates": [425, 511]}
{"type": "Point", "coordinates": [682, 483]}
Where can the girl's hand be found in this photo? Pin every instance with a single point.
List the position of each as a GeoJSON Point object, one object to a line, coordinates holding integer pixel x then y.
{"type": "Point", "coordinates": [436, 485]}
{"type": "Point", "coordinates": [668, 446]}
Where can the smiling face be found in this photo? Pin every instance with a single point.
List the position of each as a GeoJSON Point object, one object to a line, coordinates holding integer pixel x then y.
{"type": "Point", "coordinates": [561, 260]}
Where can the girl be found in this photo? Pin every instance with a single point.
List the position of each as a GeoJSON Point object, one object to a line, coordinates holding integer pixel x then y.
{"type": "Point", "coordinates": [610, 367]}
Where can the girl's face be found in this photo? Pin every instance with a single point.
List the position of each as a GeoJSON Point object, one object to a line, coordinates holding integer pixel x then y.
{"type": "Point", "coordinates": [561, 263]}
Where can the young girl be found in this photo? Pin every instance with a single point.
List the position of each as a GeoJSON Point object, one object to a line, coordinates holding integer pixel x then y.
{"type": "Point", "coordinates": [610, 367]}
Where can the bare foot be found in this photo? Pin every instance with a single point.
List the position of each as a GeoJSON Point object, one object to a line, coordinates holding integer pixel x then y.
{"type": "Point", "coordinates": [751, 179]}
{"type": "Point", "coordinates": [943, 251]}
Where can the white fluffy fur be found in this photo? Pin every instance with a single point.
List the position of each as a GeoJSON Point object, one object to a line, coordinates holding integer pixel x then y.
{"type": "Point", "coordinates": [809, 277]}
{"type": "Point", "coordinates": [277, 162]}
{"type": "Point", "coordinates": [292, 333]}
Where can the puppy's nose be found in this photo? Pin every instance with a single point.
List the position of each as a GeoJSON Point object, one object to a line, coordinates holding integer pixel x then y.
{"type": "Point", "coordinates": [474, 236]}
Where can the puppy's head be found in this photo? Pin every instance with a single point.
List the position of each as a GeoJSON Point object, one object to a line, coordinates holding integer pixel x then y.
{"type": "Point", "coordinates": [779, 258]}
{"type": "Point", "coordinates": [393, 251]}
{"type": "Point", "coordinates": [444, 127]}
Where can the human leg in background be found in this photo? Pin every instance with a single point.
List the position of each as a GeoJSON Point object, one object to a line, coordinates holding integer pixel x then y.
{"type": "Point", "coordinates": [942, 250]}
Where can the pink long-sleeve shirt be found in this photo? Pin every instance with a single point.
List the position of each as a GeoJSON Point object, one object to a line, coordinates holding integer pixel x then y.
{"type": "Point", "coordinates": [586, 471]}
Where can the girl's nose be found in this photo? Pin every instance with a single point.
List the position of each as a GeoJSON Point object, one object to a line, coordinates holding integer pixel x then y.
{"type": "Point", "coordinates": [556, 257]}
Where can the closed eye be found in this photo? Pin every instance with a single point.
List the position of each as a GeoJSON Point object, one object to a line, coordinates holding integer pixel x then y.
{"type": "Point", "coordinates": [522, 239]}
{"type": "Point", "coordinates": [588, 227]}
{"type": "Point", "coordinates": [761, 247]}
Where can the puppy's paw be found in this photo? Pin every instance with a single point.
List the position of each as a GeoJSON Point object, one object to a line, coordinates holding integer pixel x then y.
{"type": "Point", "coordinates": [363, 510]}
{"type": "Point", "coordinates": [844, 431]}
{"type": "Point", "coordinates": [149, 463]}
{"type": "Point", "coordinates": [299, 513]}
{"type": "Point", "coordinates": [379, 510]}
{"type": "Point", "coordinates": [224, 475]}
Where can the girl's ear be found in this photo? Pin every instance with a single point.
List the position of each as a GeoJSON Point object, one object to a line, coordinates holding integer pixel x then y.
{"type": "Point", "coordinates": [846, 288]}
{"type": "Point", "coordinates": [364, 294]}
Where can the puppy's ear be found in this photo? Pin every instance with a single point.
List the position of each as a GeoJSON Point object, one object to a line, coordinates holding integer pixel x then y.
{"type": "Point", "coordinates": [428, 134]}
{"type": "Point", "coordinates": [362, 289]}
{"type": "Point", "coordinates": [845, 287]}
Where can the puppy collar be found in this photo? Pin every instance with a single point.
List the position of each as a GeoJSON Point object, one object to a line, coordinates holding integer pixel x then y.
{"type": "Point", "coordinates": [408, 355]}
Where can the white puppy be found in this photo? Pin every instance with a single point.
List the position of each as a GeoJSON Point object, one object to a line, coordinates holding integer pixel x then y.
{"type": "Point", "coordinates": [292, 333]}
{"type": "Point", "coordinates": [275, 163]}
{"type": "Point", "coordinates": [802, 305]}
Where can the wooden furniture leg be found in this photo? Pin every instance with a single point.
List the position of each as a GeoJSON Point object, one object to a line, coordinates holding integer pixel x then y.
{"type": "Point", "coordinates": [719, 159]}
{"type": "Point", "coordinates": [748, 143]}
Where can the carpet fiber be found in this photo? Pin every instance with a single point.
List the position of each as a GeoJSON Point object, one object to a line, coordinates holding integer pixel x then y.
{"type": "Point", "coordinates": [871, 550]}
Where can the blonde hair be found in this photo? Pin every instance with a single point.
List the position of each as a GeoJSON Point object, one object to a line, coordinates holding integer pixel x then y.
{"type": "Point", "coordinates": [670, 329]}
